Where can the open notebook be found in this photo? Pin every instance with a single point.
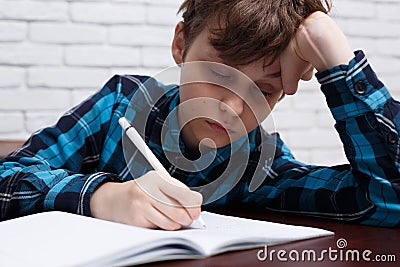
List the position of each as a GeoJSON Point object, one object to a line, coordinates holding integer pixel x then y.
{"type": "Point", "coordinates": [63, 239]}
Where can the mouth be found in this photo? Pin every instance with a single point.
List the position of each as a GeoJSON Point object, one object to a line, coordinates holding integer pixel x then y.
{"type": "Point", "coordinates": [218, 128]}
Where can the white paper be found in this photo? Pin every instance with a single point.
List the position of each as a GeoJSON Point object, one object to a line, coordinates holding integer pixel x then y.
{"type": "Point", "coordinates": [63, 239]}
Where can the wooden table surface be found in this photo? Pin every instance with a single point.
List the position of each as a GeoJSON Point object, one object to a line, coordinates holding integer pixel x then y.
{"type": "Point", "coordinates": [7, 146]}
{"type": "Point", "coordinates": [384, 243]}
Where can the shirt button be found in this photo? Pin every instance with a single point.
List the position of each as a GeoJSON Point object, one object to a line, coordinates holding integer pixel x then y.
{"type": "Point", "coordinates": [392, 138]}
{"type": "Point", "coordinates": [360, 87]}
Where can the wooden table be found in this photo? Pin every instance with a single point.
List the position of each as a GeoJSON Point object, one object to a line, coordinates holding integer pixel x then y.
{"type": "Point", "coordinates": [382, 242]}
{"type": "Point", "coordinates": [7, 146]}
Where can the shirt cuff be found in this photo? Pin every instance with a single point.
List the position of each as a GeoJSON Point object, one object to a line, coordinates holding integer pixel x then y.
{"type": "Point", "coordinates": [354, 89]}
{"type": "Point", "coordinates": [73, 194]}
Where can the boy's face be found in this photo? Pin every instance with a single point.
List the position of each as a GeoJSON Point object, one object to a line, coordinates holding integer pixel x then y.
{"type": "Point", "coordinates": [219, 104]}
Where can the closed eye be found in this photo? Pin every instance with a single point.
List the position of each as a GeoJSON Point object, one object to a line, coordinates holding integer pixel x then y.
{"type": "Point", "coordinates": [219, 74]}
{"type": "Point", "coordinates": [266, 93]}
{"type": "Point", "coordinates": [263, 91]}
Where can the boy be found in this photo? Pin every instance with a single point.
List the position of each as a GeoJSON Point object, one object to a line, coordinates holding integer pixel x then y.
{"type": "Point", "coordinates": [78, 165]}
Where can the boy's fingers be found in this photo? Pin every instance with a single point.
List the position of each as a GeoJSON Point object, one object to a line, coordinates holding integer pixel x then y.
{"type": "Point", "coordinates": [290, 79]}
{"type": "Point", "coordinates": [183, 198]}
{"type": "Point", "coordinates": [175, 213]}
{"type": "Point", "coordinates": [171, 197]}
{"type": "Point", "coordinates": [308, 74]}
{"type": "Point", "coordinates": [149, 224]}
{"type": "Point", "coordinates": [160, 220]}
{"type": "Point", "coordinates": [182, 195]}
{"type": "Point", "coordinates": [293, 68]}
{"type": "Point", "coordinates": [289, 71]}
{"type": "Point", "coordinates": [194, 212]}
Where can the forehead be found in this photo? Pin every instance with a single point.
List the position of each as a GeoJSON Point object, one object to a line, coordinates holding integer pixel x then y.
{"type": "Point", "coordinates": [202, 43]}
{"type": "Point", "coordinates": [202, 46]}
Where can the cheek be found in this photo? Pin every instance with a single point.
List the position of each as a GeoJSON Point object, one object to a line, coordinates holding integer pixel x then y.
{"type": "Point", "coordinates": [197, 101]}
{"type": "Point", "coordinates": [257, 110]}
{"type": "Point", "coordinates": [198, 90]}
{"type": "Point", "coordinates": [200, 97]}
{"type": "Point", "coordinates": [249, 119]}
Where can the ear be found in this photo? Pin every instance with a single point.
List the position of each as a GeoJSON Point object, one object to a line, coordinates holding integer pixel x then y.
{"type": "Point", "coordinates": [178, 43]}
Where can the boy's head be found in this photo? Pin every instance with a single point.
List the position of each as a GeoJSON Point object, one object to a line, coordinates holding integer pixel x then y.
{"type": "Point", "coordinates": [243, 31]}
{"type": "Point", "coordinates": [235, 81]}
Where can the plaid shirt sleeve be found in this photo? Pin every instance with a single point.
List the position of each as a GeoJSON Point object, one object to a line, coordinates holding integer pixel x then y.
{"type": "Point", "coordinates": [48, 173]}
{"type": "Point", "coordinates": [367, 190]}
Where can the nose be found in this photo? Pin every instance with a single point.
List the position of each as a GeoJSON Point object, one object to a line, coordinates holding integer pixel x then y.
{"type": "Point", "coordinates": [232, 104]}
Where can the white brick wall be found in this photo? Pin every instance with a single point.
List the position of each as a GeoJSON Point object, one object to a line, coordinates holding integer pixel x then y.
{"type": "Point", "coordinates": [54, 54]}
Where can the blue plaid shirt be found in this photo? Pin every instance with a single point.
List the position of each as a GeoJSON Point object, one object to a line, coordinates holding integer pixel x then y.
{"type": "Point", "coordinates": [59, 167]}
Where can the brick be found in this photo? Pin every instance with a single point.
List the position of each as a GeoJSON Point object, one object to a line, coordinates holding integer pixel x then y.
{"type": "Point", "coordinates": [328, 157]}
{"type": "Point", "coordinates": [11, 122]}
{"type": "Point", "coordinates": [294, 120]}
{"type": "Point", "coordinates": [311, 85]}
{"type": "Point", "coordinates": [353, 9]}
{"type": "Point", "coordinates": [11, 77]}
{"type": "Point", "coordinates": [176, 3]}
{"type": "Point", "coordinates": [391, 81]}
{"type": "Point", "coordinates": [371, 28]}
{"type": "Point", "coordinates": [395, 94]}
{"type": "Point", "coordinates": [30, 54]}
{"type": "Point", "coordinates": [157, 57]}
{"type": "Point", "coordinates": [71, 78]}
{"type": "Point", "coordinates": [34, 10]}
{"type": "Point", "coordinates": [389, 47]}
{"type": "Point", "coordinates": [325, 120]}
{"type": "Point", "coordinates": [136, 71]}
{"type": "Point", "coordinates": [162, 15]}
{"type": "Point", "coordinates": [388, 11]}
{"type": "Point", "coordinates": [20, 135]}
{"type": "Point", "coordinates": [12, 31]}
{"type": "Point", "coordinates": [314, 138]}
{"type": "Point", "coordinates": [64, 33]}
{"type": "Point", "coordinates": [107, 13]}
{"type": "Point", "coordinates": [141, 35]}
{"type": "Point", "coordinates": [309, 101]}
{"type": "Point", "coordinates": [368, 45]}
{"type": "Point", "coordinates": [285, 104]}
{"type": "Point", "coordinates": [385, 64]}
{"type": "Point", "coordinates": [302, 155]}
{"type": "Point", "coordinates": [125, 1]}
{"type": "Point", "coordinates": [40, 99]}
{"type": "Point", "coordinates": [36, 120]}
{"type": "Point", "coordinates": [102, 56]}
{"type": "Point", "coordinates": [79, 96]}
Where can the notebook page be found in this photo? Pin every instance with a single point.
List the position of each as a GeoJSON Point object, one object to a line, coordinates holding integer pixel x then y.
{"type": "Point", "coordinates": [228, 233]}
{"type": "Point", "coordinates": [63, 239]}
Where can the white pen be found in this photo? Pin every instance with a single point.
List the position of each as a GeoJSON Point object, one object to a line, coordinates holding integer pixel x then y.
{"type": "Point", "coordinates": [138, 141]}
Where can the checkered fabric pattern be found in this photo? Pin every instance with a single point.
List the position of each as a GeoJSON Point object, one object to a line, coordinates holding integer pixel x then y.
{"type": "Point", "coordinates": [59, 167]}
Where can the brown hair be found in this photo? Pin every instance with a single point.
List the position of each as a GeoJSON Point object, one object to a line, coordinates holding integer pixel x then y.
{"type": "Point", "coordinates": [243, 31]}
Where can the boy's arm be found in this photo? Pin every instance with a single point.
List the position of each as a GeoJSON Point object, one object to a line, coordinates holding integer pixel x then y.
{"type": "Point", "coordinates": [74, 167]}
{"type": "Point", "coordinates": [56, 168]}
{"type": "Point", "coordinates": [319, 43]}
{"type": "Point", "coordinates": [368, 122]}
{"type": "Point", "coordinates": [368, 189]}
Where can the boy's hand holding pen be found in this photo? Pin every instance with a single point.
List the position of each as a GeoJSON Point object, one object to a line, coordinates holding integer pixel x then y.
{"type": "Point", "coordinates": [155, 200]}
